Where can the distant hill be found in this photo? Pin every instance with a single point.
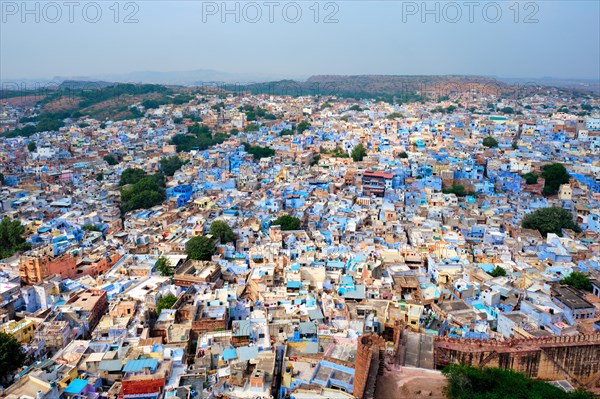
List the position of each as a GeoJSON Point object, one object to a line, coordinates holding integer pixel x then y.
{"type": "Point", "coordinates": [405, 88]}
{"type": "Point", "coordinates": [382, 87]}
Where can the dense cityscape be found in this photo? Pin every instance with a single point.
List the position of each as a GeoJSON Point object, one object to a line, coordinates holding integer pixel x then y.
{"type": "Point", "coordinates": [205, 242]}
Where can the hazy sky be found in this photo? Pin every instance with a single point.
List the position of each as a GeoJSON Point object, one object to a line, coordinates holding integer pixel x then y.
{"type": "Point", "coordinates": [562, 38]}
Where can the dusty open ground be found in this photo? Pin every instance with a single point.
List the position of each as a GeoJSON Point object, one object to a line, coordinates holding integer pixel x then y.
{"type": "Point", "coordinates": [405, 383]}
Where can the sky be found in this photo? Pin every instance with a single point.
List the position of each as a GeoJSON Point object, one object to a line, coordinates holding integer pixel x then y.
{"type": "Point", "coordinates": [504, 38]}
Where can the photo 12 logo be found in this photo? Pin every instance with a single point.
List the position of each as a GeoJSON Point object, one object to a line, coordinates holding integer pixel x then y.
{"type": "Point", "coordinates": [470, 11]}
{"type": "Point", "coordinates": [68, 11]}
{"type": "Point", "coordinates": [270, 12]}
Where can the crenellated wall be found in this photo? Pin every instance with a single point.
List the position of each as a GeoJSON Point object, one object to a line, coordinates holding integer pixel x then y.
{"type": "Point", "coordinates": [575, 358]}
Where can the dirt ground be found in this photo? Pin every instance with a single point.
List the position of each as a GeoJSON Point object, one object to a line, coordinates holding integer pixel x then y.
{"type": "Point", "coordinates": [409, 383]}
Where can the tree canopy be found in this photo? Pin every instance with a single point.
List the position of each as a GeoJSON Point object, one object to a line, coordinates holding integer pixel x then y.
{"type": "Point", "coordinates": [90, 227]}
{"type": "Point", "coordinates": [466, 382]}
{"type": "Point", "coordinates": [550, 220]}
{"type": "Point", "coordinates": [490, 142]}
{"type": "Point", "coordinates": [287, 222]}
{"type": "Point", "coordinates": [198, 137]}
{"type": "Point", "coordinates": [166, 302]}
{"type": "Point", "coordinates": [530, 178]}
{"type": "Point", "coordinates": [302, 126]}
{"type": "Point", "coordinates": [141, 191]}
{"type": "Point", "coordinates": [358, 153]}
{"type": "Point", "coordinates": [171, 165]}
{"type": "Point", "coordinates": [31, 146]}
{"type": "Point", "coordinates": [11, 354]}
{"type": "Point", "coordinates": [11, 238]}
{"type": "Point", "coordinates": [456, 189]}
{"type": "Point", "coordinates": [222, 231]}
{"type": "Point", "coordinates": [111, 160]}
{"type": "Point", "coordinates": [259, 152]}
{"type": "Point", "coordinates": [555, 175]}
{"type": "Point", "coordinates": [578, 280]}
{"type": "Point", "coordinates": [200, 248]}
{"type": "Point", "coordinates": [498, 272]}
{"type": "Point", "coordinates": [164, 267]}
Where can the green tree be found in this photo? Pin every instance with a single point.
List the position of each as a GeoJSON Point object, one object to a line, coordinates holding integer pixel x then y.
{"type": "Point", "coordinates": [252, 127]}
{"type": "Point", "coordinates": [222, 231]}
{"type": "Point", "coordinates": [166, 302]}
{"type": "Point", "coordinates": [110, 159]}
{"type": "Point", "coordinates": [466, 382]}
{"type": "Point", "coordinates": [498, 272]}
{"type": "Point", "coordinates": [11, 355]}
{"type": "Point", "coordinates": [456, 189]}
{"type": "Point", "coordinates": [11, 238]}
{"type": "Point", "coordinates": [490, 142]}
{"type": "Point", "coordinates": [287, 222]}
{"type": "Point", "coordinates": [143, 193]}
{"type": "Point", "coordinates": [550, 220]}
{"type": "Point", "coordinates": [1, 178]}
{"type": "Point", "coordinates": [131, 176]}
{"type": "Point", "coordinates": [31, 146]}
{"type": "Point", "coordinates": [358, 153]}
{"type": "Point", "coordinates": [164, 267]}
{"type": "Point", "coordinates": [200, 248]}
{"type": "Point", "coordinates": [259, 152]}
{"type": "Point", "coordinates": [403, 155]}
{"type": "Point", "coordinates": [507, 110]}
{"type": "Point", "coordinates": [302, 126]}
{"type": "Point", "coordinates": [578, 280]}
{"type": "Point", "coordinates": [100, 176]}
{"type": "Point", "coordinates": [90, 227]}
{"type": "Point", "coordinates": [171, 165]}
{"type": "Point", "coordinates": [395, 115]}
{"type": "Point", "coordinates": [555, 174]}
{"type": "Point", "coordinates": [530, 178]}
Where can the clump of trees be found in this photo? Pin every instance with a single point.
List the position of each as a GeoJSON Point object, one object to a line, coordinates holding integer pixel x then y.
{"type": "Point", "coordinates": [11, 355]}
{"type": "Point", "coordinates": [111, 160]}
{"type": "Point", "coordinates": [358, 153]}
{"type": "Point", "coordinates": [11, 238]}
{"type": "Point", "coordinates": [164, 267]}
{"type": "Point", "coordinates": [287, 222]}
{"type": "Point", "coordinates": [200, 248]}
{"type": "Point", "coordinates": [252, 127]}
{"type": "Point", "coordinates": [259, 152]}
{"type": "Point", "coordinates": [578, 280]}
{"type": "Point", "coordinates": [490, 142]}
{"type": "Point", "coordinates": [222, 231]}
{"type": "Point", "coordinates": [170, 165]}
{"type": "Point", "coordinates": [498, 272]}
{"type": "Point", "coordinates": [555, 175]}
{"type": "Point", "coordinates": [302, 126]}
{"type": "Point", "coordinates": [457, 189]}
{"type": "Point", "coordinates": [466, 382]}
{"type": "Point", "coordinates": [141, 191]}
{"type": "Point", "coordinates": [90, 227]}
{"type": "Point", "coordinates": [31, 146]}
{"type": "Point", "coordinates": [338, 152]}
{"type": "Point", "coordinates": [530, 178]}
{"type": "Point", "coordinates": [166, 302]}
{"type": "Point", "coordinates": [198, 137]}
{"type": "Point", "coordinates": [550, 220]}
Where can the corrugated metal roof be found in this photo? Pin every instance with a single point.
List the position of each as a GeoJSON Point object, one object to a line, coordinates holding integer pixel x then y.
{"type": "Point", "coordinates": [140, 364]}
